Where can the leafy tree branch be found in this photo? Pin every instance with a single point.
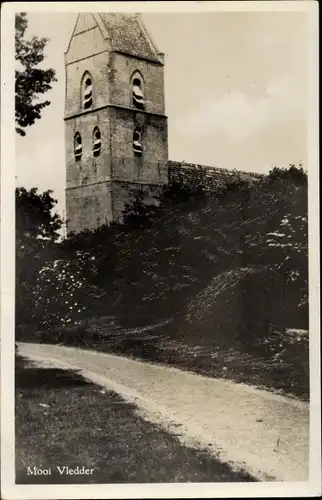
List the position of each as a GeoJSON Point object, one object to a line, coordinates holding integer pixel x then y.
{"type": "Point", "coordinates": [31, 81]}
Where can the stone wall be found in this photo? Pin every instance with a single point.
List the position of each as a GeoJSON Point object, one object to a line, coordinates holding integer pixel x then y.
{"type": "Point", "coordinates": [90, 206]}
{"type": "Point", "coordinates": [88, 169]}
{"type": "Point", "coordinates": [125, 166]}
{"type": "Point", "coordinates": [121, 69]}
{"type": "Point", "coordinates": [124, 194]}
{"type": "Point", "coordinates": [208, 177]}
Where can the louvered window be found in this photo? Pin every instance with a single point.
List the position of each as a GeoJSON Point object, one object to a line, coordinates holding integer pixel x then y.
{"type": "Point", "coordinates": [88, 93]}
{"type": "Point", "coordinates": [96, 142]}
{"type": "Point", "coordinates": [78, 147]}
{"type": "Point", "coordinates": [138, 96]}
{"type": "Point", "coordinates": [137, 142]}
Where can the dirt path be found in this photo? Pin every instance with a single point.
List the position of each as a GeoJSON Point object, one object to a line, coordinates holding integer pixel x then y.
{"type": "Point", "coordinates": [265, 434]}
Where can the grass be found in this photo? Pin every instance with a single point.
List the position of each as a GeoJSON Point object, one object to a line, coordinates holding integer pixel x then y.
{"type": "Point", "coordinates": [63, 420]}
{"type": "Point", "coordinates": [280, 362]}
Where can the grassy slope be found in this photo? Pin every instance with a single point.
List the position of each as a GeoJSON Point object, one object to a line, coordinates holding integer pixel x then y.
{"type": "Point", "coordinates": [280, 363]}
{"type": "Point", "coordinates": [171, 266]}
{"type": "Point", "coordinates": [61, 419]}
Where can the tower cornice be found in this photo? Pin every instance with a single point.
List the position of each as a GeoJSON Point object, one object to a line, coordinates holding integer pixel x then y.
{"type": "Point", "coordinates": [116, 106]}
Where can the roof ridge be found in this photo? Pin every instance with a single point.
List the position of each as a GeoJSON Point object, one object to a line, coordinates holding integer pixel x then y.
{"type": "Point", "coordinates": [147, 34]}
{"type": "Point", "coordinates": [133, 39]}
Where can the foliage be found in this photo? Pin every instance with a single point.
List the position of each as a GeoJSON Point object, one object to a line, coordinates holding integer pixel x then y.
{"type": "Point", "coordinates": [37, 232]}
{"type": "Point", "coordinates": [35, 219]}
{"type": "Point", "coordinates": [58, 293]}
{"type": "Point", "coordinates": [164, 256]}
{"type": "Point", "coordinates": [295, 174]}
{"type": "Point", "coordinates": [30, 79]}
{"type": "Point", "coordinates": [50, 283]}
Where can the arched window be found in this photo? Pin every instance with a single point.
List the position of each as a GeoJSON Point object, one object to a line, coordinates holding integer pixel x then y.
{"type": "Point", "coordinates": [138, 92]}
{"type": "Point", "coordinates": [96, 142]}
{"type": "Point", "coordinates": [78, 147]}
{"type": "Point", "coordinates": [137, 142]}
{"type": "Point", "coordinates": [87, 92]}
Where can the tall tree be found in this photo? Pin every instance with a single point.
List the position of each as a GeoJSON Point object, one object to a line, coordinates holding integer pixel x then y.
{"type": "Point", "coordinates": [30, 79]}
{"type": "Point", "coordinates": [37, 231]}
{"type": "Point", "coordinates": [35, 220]}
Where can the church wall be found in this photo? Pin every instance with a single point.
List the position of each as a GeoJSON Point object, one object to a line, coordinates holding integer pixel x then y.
{"type": "Point", "coordinates": [90, 206]}
{"type": "Point", "coordinates": [97, 66]}
{"type": "Point", "coordinates": [88, 169]}
{"type": "Point", "coordinates": [86, 42]}
{"type": "Point", "coordinates": [124, 193]}
{"type": "Point", "coordinates": [210, 178]}
{"type": "Point", "coordinates": [152, 166]}
{"type": "Point", "coordinates": [121, 69]}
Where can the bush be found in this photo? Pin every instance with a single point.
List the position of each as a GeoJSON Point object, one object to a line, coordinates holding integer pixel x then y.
{"type": "Point", "coordinates": [164, 256]}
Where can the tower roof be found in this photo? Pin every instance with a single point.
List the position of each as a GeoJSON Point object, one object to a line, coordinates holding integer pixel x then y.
{"type": "Point", "coordinates": [127, 33]}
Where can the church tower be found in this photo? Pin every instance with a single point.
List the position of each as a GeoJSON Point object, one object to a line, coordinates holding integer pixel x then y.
{"type": "Point", "coordinates": [115, 124]}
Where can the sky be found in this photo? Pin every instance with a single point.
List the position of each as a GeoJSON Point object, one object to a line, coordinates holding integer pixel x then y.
{"type": "Point", "coordinates": [235, 92]}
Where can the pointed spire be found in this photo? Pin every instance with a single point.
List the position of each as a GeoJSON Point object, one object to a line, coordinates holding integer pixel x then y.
{"type": "Point", "coordinates": [127, 34]}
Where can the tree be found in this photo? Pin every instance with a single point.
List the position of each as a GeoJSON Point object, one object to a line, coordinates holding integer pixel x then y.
{"type": "Point", "coordinates": [294, 174]}
{"type": "Point", "coordinates": [34, 218]}
{"type": "Point", "coordinates": [30, 80]}
{"type": "Point", "coordinates": [37, 231]}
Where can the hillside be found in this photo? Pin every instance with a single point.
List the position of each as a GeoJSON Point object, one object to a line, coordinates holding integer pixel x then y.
{"type": "Point", "coordinates": [226, 269]}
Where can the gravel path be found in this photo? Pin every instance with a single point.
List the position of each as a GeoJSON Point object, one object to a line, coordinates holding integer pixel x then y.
{"type": "Point", "coordinates": [262, 433]}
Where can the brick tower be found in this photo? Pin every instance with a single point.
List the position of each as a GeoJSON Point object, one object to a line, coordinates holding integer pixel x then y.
{"type": "Point", "coordinates": [115, 124]}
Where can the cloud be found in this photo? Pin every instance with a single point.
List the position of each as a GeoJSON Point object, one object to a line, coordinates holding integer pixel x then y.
{"type": "Point", "coordinates": [242, 116]}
